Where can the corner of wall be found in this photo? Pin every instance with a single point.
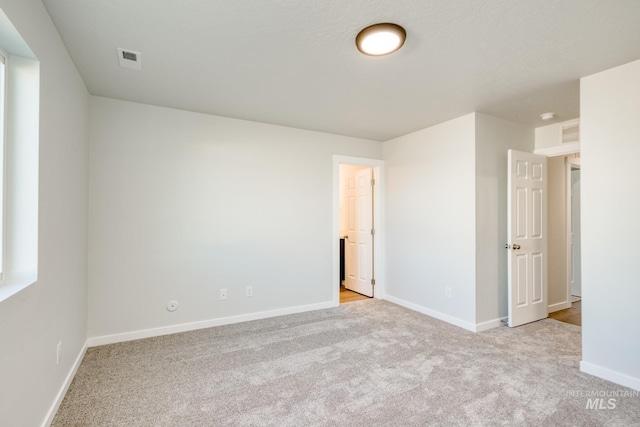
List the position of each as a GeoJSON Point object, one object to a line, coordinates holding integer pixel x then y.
{"type": "Point", "coordinates": [610, 131]}
{"type": "Point", "coordinates": [494, 136]}
{"type": "Point", "coordinates": [430, 251]}
{"type": "Point", "coordinates": [53, 310]}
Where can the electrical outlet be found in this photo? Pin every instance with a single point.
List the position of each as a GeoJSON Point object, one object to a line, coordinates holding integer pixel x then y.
{"type": "Point", "coordinates": [447, 292]}
{"type": "Point", "coordinates": [223, 294]}
{"type": "Point", "coordinates": [249, 291]}
{"type": "Point", "coordinates": [58, 352]}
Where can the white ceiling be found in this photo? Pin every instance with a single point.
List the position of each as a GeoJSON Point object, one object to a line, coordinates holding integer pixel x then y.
{"type": "Point", "coordinates": [295, 63]}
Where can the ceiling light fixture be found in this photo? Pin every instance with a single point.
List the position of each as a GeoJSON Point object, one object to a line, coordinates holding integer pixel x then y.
{"type": "Point", "coordinates": [381, 39]}
{"type": "Point", "coordinates": [547, 116]}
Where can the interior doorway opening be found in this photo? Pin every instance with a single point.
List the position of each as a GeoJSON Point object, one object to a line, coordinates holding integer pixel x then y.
{"type": "Point", "coordinates": [356, 228]}
{"type": "Point", "coordinates": [357, 233]}
{"type": "Point", "coordinates": [357, 237]}
{"type": "Point", "coordinates": [574, 240]}
{"type": "Point", "coordinates": [565, 245]}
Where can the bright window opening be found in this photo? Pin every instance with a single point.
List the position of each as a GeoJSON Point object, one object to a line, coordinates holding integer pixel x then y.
{"type": "Point", "coordinates": [19, 153]}
{"type": "Point", "coordinates": [3, 62]}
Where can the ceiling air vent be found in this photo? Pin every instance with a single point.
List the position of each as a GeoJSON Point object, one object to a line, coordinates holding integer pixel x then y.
{"type": "Point", "coordinates": [130, 59]}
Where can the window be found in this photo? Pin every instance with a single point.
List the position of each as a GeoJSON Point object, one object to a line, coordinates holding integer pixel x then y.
{"type": "Point", "coordinates": [3, 64]}
{"type": "Point", "coordinates": [19, 153]}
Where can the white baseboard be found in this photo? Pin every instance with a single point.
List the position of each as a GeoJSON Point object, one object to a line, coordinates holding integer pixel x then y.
{"type": "Point", "coordinates": [610, 375]}
{"type": "Point", "coordinates": [429, 312]}
{"type": "Point", "coordinates": [559, 306]}
{"type": "Point", "coordinates": [185, 327]}
{"type": "Point", "coordinates": [65, 386]}
{"type": "Point", "coordinates": [473, 327]}
{"type": "Point", "coordinates": [495, 323]}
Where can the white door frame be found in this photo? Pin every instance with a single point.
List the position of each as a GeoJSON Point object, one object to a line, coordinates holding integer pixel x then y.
{"type": "Point", "coordinates": [378, 197]}
{"type": "Point", "coordinates": [571, 162]}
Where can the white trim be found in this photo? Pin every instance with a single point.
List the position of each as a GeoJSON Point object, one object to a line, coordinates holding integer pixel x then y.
{"type": "Point", "coordinates": [570, 163]}
{"type": "Point", "coordinates": [432, 313]}
{"type": "Point", "coordinates": [568, 259]}
{"type": "Point", "coordinates": [65, 387]}
{"type": "Point", "coordinates": [378, 195]}
{"type": "Point", "coordinates": [185, 327]}
{"type": "Point", "coordinates": [610, 375]}
{"type": "Point", "coordinates": [7, 290]}
{"type": "Point", "coordinates": [560, 150]}
{"type": "Point", "coordinates": [490, 324]}
{"type": "Point", "coordinates": [477, 327]}
{"type": "Point", "coordinates": [558, 306]}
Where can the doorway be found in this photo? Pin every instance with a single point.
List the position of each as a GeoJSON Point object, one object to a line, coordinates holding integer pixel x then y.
{"type": "Point", "coordinates": [357, 233]}
{"type": "Point", "coordinates": [565, 291]}
{"type": "Point", "coordinates": [356, 228]}
{"type": "Point", "coordinates": [574, 252]}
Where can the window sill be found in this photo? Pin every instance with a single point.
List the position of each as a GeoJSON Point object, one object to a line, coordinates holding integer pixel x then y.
{"type": "Point", "coordinates": [9, 290]}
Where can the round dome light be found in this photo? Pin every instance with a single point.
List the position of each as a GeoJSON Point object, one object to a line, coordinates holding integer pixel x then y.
{"type": "Point", "coordinates": [381, 39]}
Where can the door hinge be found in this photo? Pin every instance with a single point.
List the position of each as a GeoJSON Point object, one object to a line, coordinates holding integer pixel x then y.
{"type": "Point", "coordinates": [373, 182]}
{"type": "Point", "coordinates": [373, 232]}
{"type": "Point", "coordinates": [373, 281]}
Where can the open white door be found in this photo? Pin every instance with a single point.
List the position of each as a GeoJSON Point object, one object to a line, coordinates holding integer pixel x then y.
{"type": "Point", "coordinates": [527, 237]}
{"type": "Point", "coordinates": [359, 243]}
{"type": "Point", "coordinates": [350, 255]}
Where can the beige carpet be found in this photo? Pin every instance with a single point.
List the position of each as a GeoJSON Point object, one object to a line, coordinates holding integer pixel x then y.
{"type": "Point", "coordinates": [366, 363]}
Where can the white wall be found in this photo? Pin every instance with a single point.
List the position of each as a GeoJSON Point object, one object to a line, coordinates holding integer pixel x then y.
{"type": "Point", "coordinates": [55, 307]}
{"type": "Point", "coordinates": [184, 204]}
{"type": "Point", "coordinates": [430, 214]}
{"type": "Point", "coordinates": [493, 138]}
{"type": "Point", "coordinates": [446, 218]}
{"type": "Point", "coordinates": [610, 118]}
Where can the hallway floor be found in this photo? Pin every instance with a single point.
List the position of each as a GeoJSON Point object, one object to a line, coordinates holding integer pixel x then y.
{"type": "Point", "coordinates": [349, 296]}
{"type": "Point", "coordinates": [571, 315]}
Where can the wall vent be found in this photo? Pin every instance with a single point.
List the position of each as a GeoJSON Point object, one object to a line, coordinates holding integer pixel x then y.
{"type": "Point", "coordinates": [571, 132]}
{"type": "Point", "coordinates": [130, 59]}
